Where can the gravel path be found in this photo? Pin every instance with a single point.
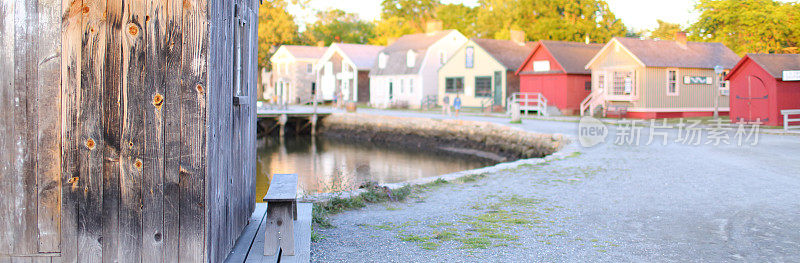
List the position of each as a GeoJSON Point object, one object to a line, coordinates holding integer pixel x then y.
{"type": "Point", "coordinates": [610, 203]}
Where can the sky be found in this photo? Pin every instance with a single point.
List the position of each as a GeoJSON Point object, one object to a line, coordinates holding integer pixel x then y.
{"type": "Point", "coordinates": [636, 14]}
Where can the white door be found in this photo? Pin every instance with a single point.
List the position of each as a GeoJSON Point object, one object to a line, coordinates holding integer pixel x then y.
{"type": "Point", "coordinates": [328, 82]}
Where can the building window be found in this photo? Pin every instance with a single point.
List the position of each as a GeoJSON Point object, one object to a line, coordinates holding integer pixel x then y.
{"type": "Point", "coordinates": [391, 89]}
{"type": "Point", "coordinates": [623, 83]}
{"type": "Point", "coordinates": [309, 68]}
{"type": "Point", "coordinates": [601, 82]}
{"type": "Point", "coordinates": [723, 84]}
{"type": "Point", "coordinates": [286, 68]}
{"type": "Point", "coordinates": [541, 66]}
{"type": "Point", "coordinates": [442, 57]}
{"type": "Point", "coordinates": [402, 86]}
{"type": "Point", "coordinates": [672, 82]}
{"type": "Point", "coordinates": [483, 87]}
{"type": "Point", "coordinates": [454, 85]}
{"type": "Point", "coordinates": [470, 57]}
{"type": "Point", "coordinates": [410, 85]}
{"type": "Point", "coordinates": [382, 60]}
{"type": "Point", "coordinates": [587, 86]}
{"type": "Point", "coordinates": [411, 58]}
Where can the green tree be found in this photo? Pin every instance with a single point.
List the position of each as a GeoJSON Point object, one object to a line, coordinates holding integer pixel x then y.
{"type": "Point", "coordinates": [459, 17]}
{"type": "Point", "coordinates": [413, 12]}
{"type": "Point", "coordinates": [748, 26]}
{"type": "Point", "coordinates": [275, 27]}
{"type": "Point", "coordinates": [665, 30]}
{"type": "Point", "coordinates": [567, 20]}
{"type": "Point", "coordinates": [391, 28]}
{"type": "Point", "coordinates": [338, 26]}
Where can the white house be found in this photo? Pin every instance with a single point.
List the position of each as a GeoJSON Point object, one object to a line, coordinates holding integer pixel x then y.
{"type": "Point", "coordinates": [406, 72]}
{"type": "Point", "coordinates": [344, 69]}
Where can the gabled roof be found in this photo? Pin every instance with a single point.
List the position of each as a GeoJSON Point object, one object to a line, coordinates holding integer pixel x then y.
{"type": "Point", "coordinates": [509, 53]}
{"type": "Point", "coordinates": [305, 52]}
{"type": "Point", "coordinates": [774, 64]}
{"type": "Point", "coordinates": [397, 51]}
{"type": "Point", "coordinates": [671, 54]}
{"type": "Point", "coordinates": [572, 56]}
{"type": "Point", "coordinates": [363, 56]}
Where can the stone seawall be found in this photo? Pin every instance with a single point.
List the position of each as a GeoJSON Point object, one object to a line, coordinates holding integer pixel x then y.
{"type": "Point", "coordinates": [482, 139]}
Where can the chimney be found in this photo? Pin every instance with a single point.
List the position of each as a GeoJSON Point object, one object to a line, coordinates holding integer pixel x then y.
{"type": "Point", "coordinates": [680, 38]}
{"type": "Point", "coordinates": [433, 26]}
{"type": "Point", "coordinates": [320, 43]}
{"type": "Point", "coordinates": [517, 36]}
{"type": "Point", "coordinates": [391, 40]}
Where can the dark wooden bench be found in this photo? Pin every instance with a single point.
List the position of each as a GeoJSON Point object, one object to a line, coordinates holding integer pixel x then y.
{"type": "Point", "coordinates": [620, 111]}
{"type": "Point", "coordinates": [281, 202]}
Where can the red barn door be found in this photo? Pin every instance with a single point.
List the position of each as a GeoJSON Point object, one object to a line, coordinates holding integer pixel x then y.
{"type": "Point", "coordinates": [756, 102]}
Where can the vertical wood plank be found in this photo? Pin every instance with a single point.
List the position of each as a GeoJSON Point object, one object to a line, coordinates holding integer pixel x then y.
{"type": "Point", "coordinates": [6, 126]}
{"type": "Point", "coordinates": [112, 128]}
{"type": "Point", "coordinates": [23, 181]}
{"type": "Point", "coordinates": [215, 17]}
{"type": "Point", "coordinates": [90, 143]}
{"type": "Point", "coordinates": [49, 121]}
{"type": "Point", "coordinates": [134, 98]}
{"type": "Point", "coordinates": [70, 84]}
{"type": "Point", "coordinates": [193, 132]}
{"type": "Point", "coordinates": [153, 120]}
{"type": "Point", "coordinates": [172, 130]}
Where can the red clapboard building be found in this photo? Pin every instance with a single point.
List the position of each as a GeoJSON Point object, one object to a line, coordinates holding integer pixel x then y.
{"type": "Point", "coordinates": [759, 91]}
{"type": "Point", "coordinates": [557, 70]}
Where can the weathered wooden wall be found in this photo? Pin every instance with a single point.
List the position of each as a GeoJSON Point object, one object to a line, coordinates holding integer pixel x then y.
{"type": "Point", "coordinates": [119, 137]}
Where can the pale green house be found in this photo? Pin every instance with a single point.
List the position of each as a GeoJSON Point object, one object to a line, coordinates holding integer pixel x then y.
{"type": "Point", "coordinates": [659, 78]}
{"type": "Point", "coordinates": [481, 72]}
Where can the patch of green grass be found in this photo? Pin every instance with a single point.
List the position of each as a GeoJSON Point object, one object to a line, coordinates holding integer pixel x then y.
{"type": "Point", "coordinates": [516, 122]}
{"type": "Point", "coordinates": [315, 237]}
{"type": "Point", "coordinates": [507, 237]}
{"type": "Point", "coordinates": [413, 238]}
{"type": "Point", "coordinates": [430, 245]}
{"type": "Point", "coordinates": [471, 178]}
{"type": "Point", "coordinates": [392, 208]}
{"type": "Point", "coordinates": [445, 235]}
{"type": "Point", "coordinates": [374, 194]}
{"type": "Point", "coordinates": [475, 243]}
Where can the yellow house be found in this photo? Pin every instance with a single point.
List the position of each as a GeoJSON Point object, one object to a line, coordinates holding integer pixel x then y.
{"type": "Point", "coordinates": [481, 72]}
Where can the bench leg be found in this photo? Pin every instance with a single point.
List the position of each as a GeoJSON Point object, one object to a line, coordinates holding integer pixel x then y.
{"type": "Point", "coordinates": [280, 229]}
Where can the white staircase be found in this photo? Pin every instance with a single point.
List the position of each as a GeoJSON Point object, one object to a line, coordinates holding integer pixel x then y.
{"type": "Point", "coordinates": [592, 102]}
{"type": "Point", "coordinates": [528, 102]}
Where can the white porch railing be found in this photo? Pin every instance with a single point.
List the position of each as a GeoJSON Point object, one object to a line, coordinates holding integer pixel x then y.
{"type": "Point", "coordinates": [787, 114]}
{"type": "Point", "coordinates": [591, 102]}
{"type": "Point", "coordinates": [528, 101]}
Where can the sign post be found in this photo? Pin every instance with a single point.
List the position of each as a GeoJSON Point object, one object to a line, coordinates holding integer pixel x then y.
{"type": "Point", "coordinates": [718, 71]}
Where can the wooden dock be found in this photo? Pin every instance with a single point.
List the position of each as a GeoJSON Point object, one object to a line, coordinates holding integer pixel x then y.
{"type": "Point", "coordinates": [250, 245]}
{"type": "Point", "coordinates": [293, 111]}
{"type": "Point", "coordinates": [299, 118]}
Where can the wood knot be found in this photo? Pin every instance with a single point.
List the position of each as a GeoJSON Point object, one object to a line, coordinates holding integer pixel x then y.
{"type": "Point", "coordinates": [73, 180]}
{"type": "Point", "coordinates": [138, 164]}
{"type": "Point", "coordinates": [133, 29]}
{"type": "Point", "coordinates": [157, 237]}
{"type": "Point", "coordinates": [85, 9]}
{"type": "Point", "coordinates": [147, 18]}
{"type": "Point", "coordinates": [90, 144]}
{"type": "Point", "coordinates": [158, 100]}
{"type": "Point", "coordinates": [130, 145]}
{"type": "Point", "coordinates": [200, 88]}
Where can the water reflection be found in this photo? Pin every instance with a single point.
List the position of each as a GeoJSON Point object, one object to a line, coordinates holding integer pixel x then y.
{"type": "Point", "coordinates": [332, 165]}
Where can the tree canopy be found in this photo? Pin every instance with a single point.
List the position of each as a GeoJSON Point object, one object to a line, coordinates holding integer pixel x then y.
{"type": "Point", "coordinates": [275, 27]}
{"type": "Point", "coordinates": [665, 30]}
{"type": "Point", "coordinates": [749, 26]}
{"type": "Point", "coordinates": [338, 26]}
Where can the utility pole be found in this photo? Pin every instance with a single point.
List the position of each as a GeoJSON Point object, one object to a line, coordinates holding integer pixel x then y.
{"type": "Point", "coordinates": [718, 71]}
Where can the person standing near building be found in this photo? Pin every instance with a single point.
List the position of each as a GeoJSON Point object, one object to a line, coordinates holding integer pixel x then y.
{"type": "Point", "coordinates": [446, 105]}
{"type": "Point", "coordinates": [457, 104]}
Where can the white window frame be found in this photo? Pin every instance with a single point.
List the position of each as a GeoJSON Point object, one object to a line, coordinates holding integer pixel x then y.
{"type": "Point", "coordinates": [382, 60]}
{"type": "Point", "coordinates": [610, 88]}
{"type": "Point", "coordinates": [677, 82]}
{"type": "Point", "coordinates": [541, 65]}
{"type": "Point", "coordinates": [411, 86]}
{"type": "Point", "coordinates": [411, 58]}
{"type": "Point", "coordinates": [442, 57]}
{"type": "Point", "coordinates": [724, 84]}
{"type": "Point", "coordinates": [309, 68]}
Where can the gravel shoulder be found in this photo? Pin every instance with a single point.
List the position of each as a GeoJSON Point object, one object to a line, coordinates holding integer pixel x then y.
{"type": "Point", "coordinates": [610, 203]}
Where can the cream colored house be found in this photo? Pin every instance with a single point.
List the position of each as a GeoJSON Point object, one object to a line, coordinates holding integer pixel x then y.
{"type": "Point", "coordinates": [659, 79]}
{"type": "Point", "coordinates": [481, 72]}
{"type": "Point", "coordinates": [294, 80]}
